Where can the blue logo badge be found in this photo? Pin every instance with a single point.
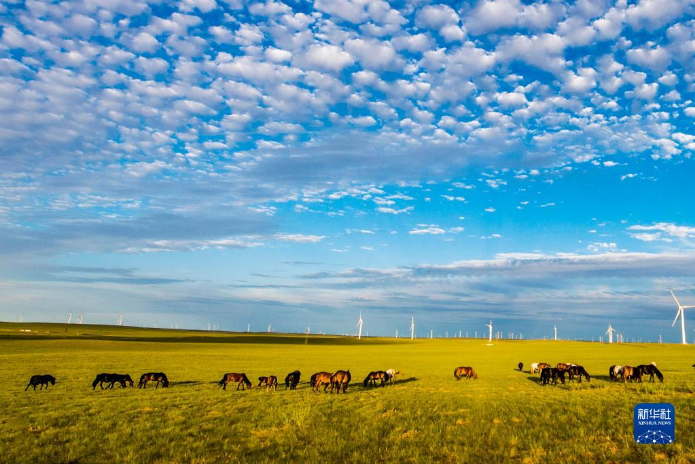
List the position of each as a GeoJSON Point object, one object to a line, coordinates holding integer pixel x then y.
{"type": "Point", "coordinates": [655, 423]}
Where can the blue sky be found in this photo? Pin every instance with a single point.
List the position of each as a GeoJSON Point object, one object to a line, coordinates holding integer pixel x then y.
{"type": "Point", "coordinates": [294, 164]}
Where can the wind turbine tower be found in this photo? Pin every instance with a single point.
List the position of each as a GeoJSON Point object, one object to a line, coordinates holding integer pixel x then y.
{"type": "Point", "coordinates": [359, 327]}
{"type": "Point", "coordinates": [681, 313]}
{"type": "Point", "coordinates": [79, 319]}
{"type": "Point", "coordinates": [609, 332]}
{"type": "Point", "coordinates": [555, 333]}
{"type": "Point", "coordinates": [489, 339]}
{"type": "Point", "coordinates": [69, 318]}
{"type": "Point", "coordinates": [412, 328]}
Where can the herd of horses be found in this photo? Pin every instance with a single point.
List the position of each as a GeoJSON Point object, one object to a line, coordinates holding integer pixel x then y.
{"type": "Point", "coordinates": [551, 375]}
{"type": "Point", "coordinates": [339, 381]}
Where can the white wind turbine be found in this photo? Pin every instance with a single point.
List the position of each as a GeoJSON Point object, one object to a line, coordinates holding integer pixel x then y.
{"type": "Point", "coordinates": [489, 339]}
{"type": "Point", "coordinates": [412, 328]}
{"type": "Point", "coordinates": [555, 333]}
{"type": "Point", "coordinates": [681, 313]}
{"type": "Point", "coordinates": [69, 318]}
{"type": "Point", "coordinates": [359, 327]}
{"type": "Point", "coordinates": [609, 332]}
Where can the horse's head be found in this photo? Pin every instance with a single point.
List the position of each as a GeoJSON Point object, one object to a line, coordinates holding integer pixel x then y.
{"type": "Point", "coordinates": [52, 379]}
{"type": "Point", "coordinates": [127, 379]}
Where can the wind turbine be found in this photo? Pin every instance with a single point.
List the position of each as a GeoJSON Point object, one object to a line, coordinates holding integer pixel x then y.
{"type": "Point", "coordinates": [609, 332]}
{"type": "Point", "coordinates": [489, 339]}
{"type": "Point", "coordinates": [555, 333]}
{"type": "Point", "coordinates": [69, 318]}
{"type": "Point", "coordinates": [359, 327]}
{"type": "Point", "coordinates": [79, 319]}
{"type": "Point", "coordinates": [412, 328]}
{"type": "Point", "coordinates": [681, 313]}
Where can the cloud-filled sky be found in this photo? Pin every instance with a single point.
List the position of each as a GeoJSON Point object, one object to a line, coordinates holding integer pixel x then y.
{"type": "Point", "coordinates": [294, 164]}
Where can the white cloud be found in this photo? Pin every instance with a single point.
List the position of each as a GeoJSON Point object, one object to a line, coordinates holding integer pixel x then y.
{"type": "Point", "coordinates": [431, 230]}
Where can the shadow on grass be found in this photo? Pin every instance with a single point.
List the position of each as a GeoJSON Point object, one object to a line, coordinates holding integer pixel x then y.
{"type": "Point", "coordinates": [188, 383]}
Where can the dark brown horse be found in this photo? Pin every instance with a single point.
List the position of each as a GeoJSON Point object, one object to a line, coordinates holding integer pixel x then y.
{"type": "Point", "coordinates": [320, 378]}
{"type": "Point", "coordinates": [233, 377]}
{"type": "Point", "coordinates": [159, 377]}
{"type": "Point", "coordinates": [270, 382]}
{"type": "Point", "coordinates": [651, 370]}
{"type": "Point", "coordinates": [292, 379]}
{"type": "Point", "coordinates": [373, 376]}
{"type": "Point", "coordinates": [112, 379]}
{"type": "Point", "coordinates": [564, 367]}
{"type": "Point", "coordinates": [339, 380]}
{"type": "Point", "coordinates": [551, 374]}
{"type": "Point", "coordinates": [466, 372]}
{"type": "Point", "coordinates": [520, 366]}
{"type": "Point", "coordinates": [41, 380]}
{"type": "Point", "coordinates": [542, 366]}
{"type": "Point", "coordinates": [578, 371]}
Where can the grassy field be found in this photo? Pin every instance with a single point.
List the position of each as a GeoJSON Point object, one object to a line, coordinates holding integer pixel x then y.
{"type": "Point", "coordinates": [426, 416]}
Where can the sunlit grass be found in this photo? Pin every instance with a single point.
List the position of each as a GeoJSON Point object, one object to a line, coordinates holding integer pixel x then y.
{"type": "Point", "coordinates": [427, 416]}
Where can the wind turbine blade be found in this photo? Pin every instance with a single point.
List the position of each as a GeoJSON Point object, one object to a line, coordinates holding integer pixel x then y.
{"type": "Point", "coordinates": [674, 297]}
{"type": "Point", "coordinates": [677, 314]}
{"type": "Point", "coordinates": [687, 307]}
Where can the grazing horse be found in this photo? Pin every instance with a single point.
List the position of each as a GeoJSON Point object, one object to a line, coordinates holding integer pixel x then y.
{"type": "Point", "coordinates": [270, 382]}
{"type": "Point", "coordinates": [534, 368]}
{"type": "Point", "coordinates": [292, 379]}
{"type": "Point", "coordinates": [373, 376]}
{"type": "Point", "coordinates": [320, 378]}
{"type": "Point", "coordinates": [542, 366]}
{"type": "Point", "coordinates": [564, 366]}
{"type": "Point", "coordinates": [41, 380]}
{"type": "Point", "coordinates": [241, 380]}
{"type": "Point", "coordinates": [579, 371]}
{"type": "Point", "coordinates": [392, 374]}
{"type": "Point", "coordinates": [520, 366]}
{"type": "Point", "coordinates": [615, 372]}
{"type": "Point", "coordinates": [631, 373]}
{"type": "Point", "coordinates": [159, 377]}
{"type": "Point", "coordinates": [340, 379]}
{"type": "Point", "coordinates": [557, 374]}
{"type": "Point", "coordinates": [651, 370]}
{"type": "Point", "coordinates": [466, 372]}
{"type": "Point", "coordinates": [111, 379]}
{"type": "Point", "coordinates": [546, 375]}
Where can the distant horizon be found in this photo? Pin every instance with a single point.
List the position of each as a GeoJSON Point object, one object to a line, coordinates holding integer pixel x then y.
{"type": "Point", "coordinates": [401, 335]}
{"type": "Point", "coordinates": [297, 163]}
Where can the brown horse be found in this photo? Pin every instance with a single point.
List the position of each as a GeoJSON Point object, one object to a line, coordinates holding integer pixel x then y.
{"type": "Point", "coordinates": [466, 372]}
{"type": "Point", "coordinates": [233, 377]}
{"type": "Point", "coordinates": [270, 382]}
{"type": "Point", "coordinates": [111, 379]}
{"type": "Point", "coordinates": [373, 376]}
{"type": "Point", "coordinates": [542, 366]}
{"type": "Point", "coordinates": [564, 367]}
{"type": "Point", "coordinates": [320, 378]}
{"type": "Point", "coordinates": [631, 373]}
{"type": "Point", "coordinates": [159, 377]}
{"type": "Point", "coordinates": [651, 370]}
{"type": "Point", "coordinates": [340, 379]}
{"type": "Point", "coordinates": [41, 380]}
{"type": "Point", "coordinates": [292, 379]}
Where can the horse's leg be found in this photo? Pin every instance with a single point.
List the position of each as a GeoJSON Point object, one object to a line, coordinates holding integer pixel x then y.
{"type": "Point", "coordinates": [28, 385]}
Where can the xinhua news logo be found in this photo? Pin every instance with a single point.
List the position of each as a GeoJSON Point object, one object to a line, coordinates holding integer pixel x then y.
{"type": "Point", "coordinates": [655, 423]}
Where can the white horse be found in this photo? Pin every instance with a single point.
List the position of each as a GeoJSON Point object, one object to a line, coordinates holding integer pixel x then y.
{"type": "Point", "coordinates": [392, 375]}
{"type": "Point", "coordinates": [616, 372]}
{"type": "Point", "coordinates": [534, 368]}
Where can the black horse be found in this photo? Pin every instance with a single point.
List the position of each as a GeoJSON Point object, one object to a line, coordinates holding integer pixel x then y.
{"type": "Point", "coordinates": [551, 374]}
{"type": "Point", "coordinates": [159, 377]}
{"type": "Point", "coordinates": [41, 380]}
{"type": "Point", "coordinates": [292, 379]}
{"type": "Point", "coordinates": [521, 366]}
{"type": "Point", "coordinates": [578, 372]}
{"type": "Point", "coordinates": [112, 379]}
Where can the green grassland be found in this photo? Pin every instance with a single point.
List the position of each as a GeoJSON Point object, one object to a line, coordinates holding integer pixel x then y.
{"type": "Point", "coordinates": [427, 416]}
